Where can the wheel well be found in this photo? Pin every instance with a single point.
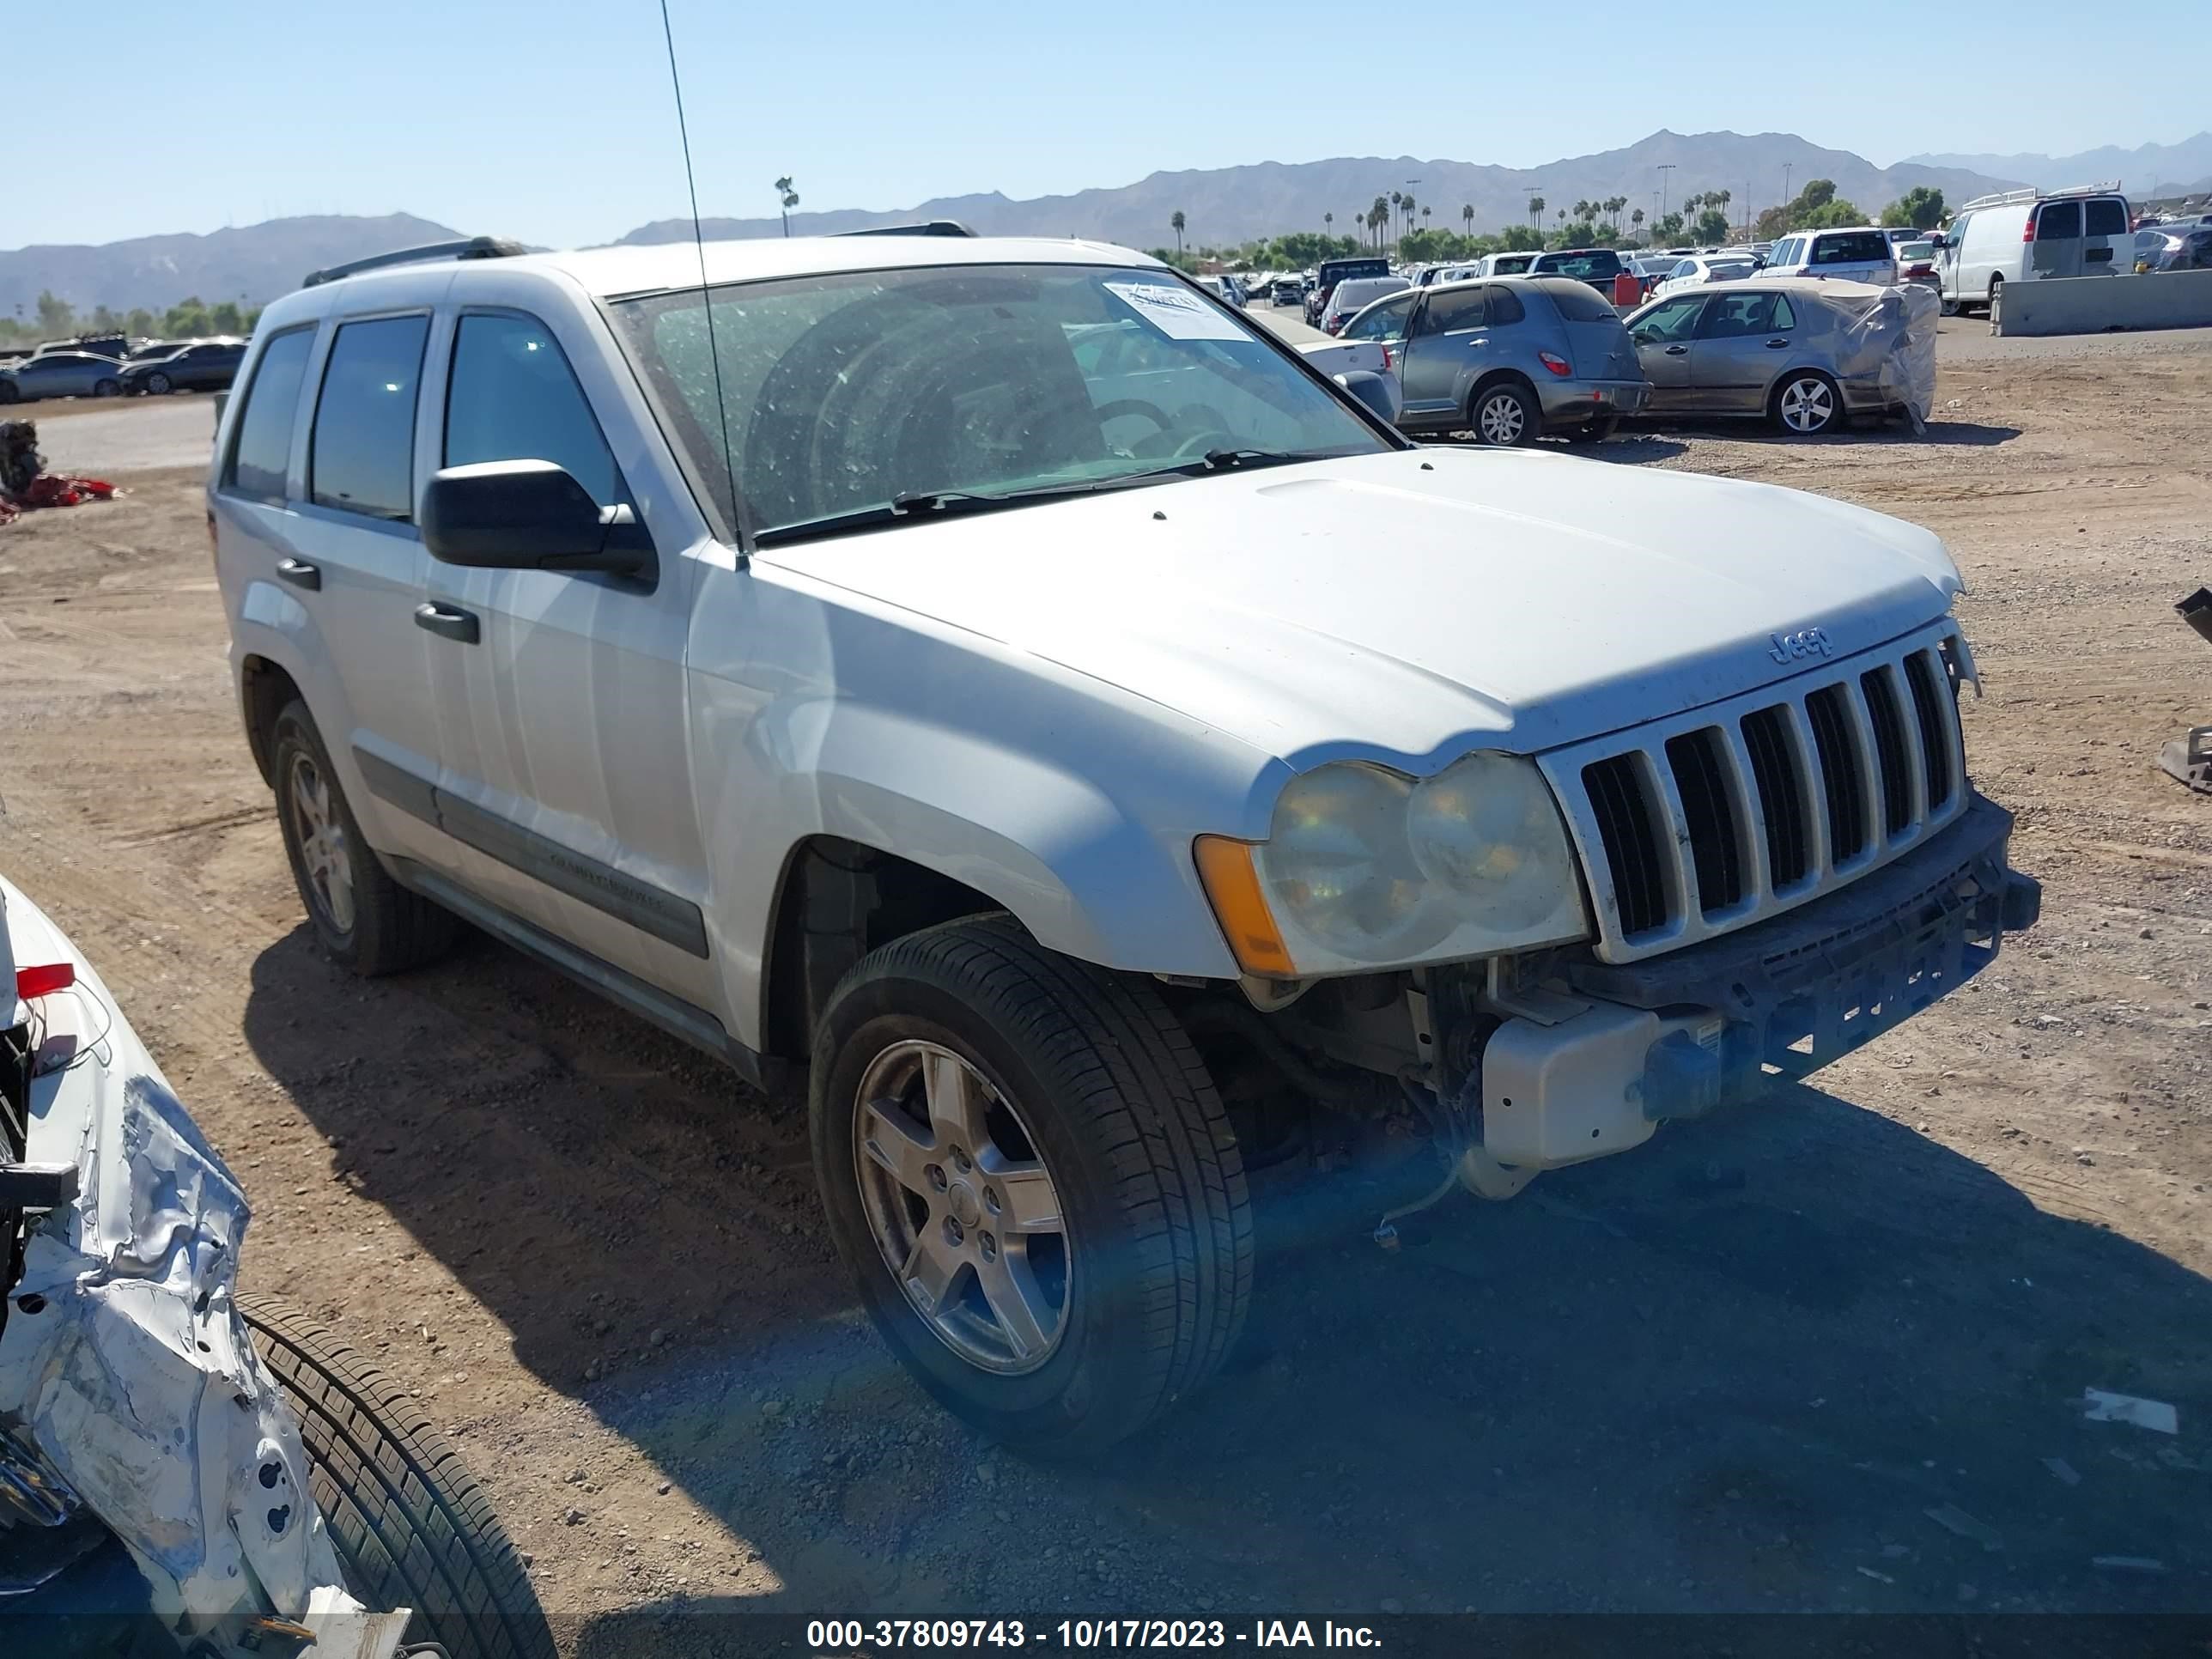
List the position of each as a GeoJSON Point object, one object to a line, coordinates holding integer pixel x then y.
{"type": "Point", "coordinates": [1492, 377]}
{"type": "Point", "coordinates": [263, 690]}
{"type": "Point", "coordinates": [838, 901]}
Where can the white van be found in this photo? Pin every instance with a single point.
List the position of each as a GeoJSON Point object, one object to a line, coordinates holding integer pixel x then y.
{"type": "Point", "coordinates": [1858, 254]}
{"type": "Point", "coordinates": [2022, 234]}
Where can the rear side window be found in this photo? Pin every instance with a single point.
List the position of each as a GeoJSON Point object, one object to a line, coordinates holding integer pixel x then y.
{"type": "Point", "coordinates": [1449, 311]}
{"type": "Point", "coordinates": [361, 457]}
{"type": "Point", "coordinates": [2105, 217]}
{"type": "Point", "coordinates": [511, 397]}
{"type": "Point", "coordinates": [262, 455]}
{"type": "Point", "coordinates": [1578, 302]}
{"type": "Point", "coordinates": [1505, 308]}
{"type": "Point", "coordinates": [2060, 222]}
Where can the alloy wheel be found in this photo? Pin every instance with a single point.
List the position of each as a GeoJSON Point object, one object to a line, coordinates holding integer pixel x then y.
{"type": "Point", "coordinates": [962, 1208]}
{"type": "Point", "coordinates": [1500, 420]}
{"type": "Point", "coordinates": [1807, 405]}
{"type": "Point", "coordinates": [324, 850]}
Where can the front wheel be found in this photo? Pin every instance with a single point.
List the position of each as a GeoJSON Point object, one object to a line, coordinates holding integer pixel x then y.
{"type": "Point", "coordinates": [1503, 415]}
{"type": "Point", "coordinates": [1028, 1170]}
{"type": "Point", "coordinates": [158, 385]}
{"type": "Point", "coordinates": [410, 1524]}
{"type": "Point", "coordinates": [108, 388]}
{"type": "Point", "coordinates": [1805, 405]}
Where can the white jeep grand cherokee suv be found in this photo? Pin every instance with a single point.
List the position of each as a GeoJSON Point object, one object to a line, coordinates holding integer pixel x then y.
{"type": "Point", "coordinates": [991, 682]}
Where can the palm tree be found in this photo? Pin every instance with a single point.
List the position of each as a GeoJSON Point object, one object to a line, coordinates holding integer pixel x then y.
{"type": "Point", "coordinates": [1613, 207]}
{"type": "Point", "coordinates": [788, 199]}
{"type": "Point", "coordinates": [1466, 217]}
{"type": "Point", "coordinates": [1327, 220]}
{"type": "Point", "coordinates": [1424, 218]}
{"type": "Point", "coordinates": [1581, 211]}
{"type": "Point", "coordinates": [1720, 199]}
{"type": "Point", "coordinates": [1379, 216]}
{"type": "Point", "coordinates": [1536, 210]}
{"type": "Point", "coordinates": [1176, 221]}
{"type": "Point", "coordinates": [1405, 207]}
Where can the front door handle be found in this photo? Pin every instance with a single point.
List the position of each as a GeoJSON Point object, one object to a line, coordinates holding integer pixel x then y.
{"type": "Point", "coordinates": [1776, 344]}
{"type": "Point", "coordinates": [1678, 351]}
{"type": "Point", "coordinates": [444, 619]}
{"type": "Point", "coordinates": [300, 574]}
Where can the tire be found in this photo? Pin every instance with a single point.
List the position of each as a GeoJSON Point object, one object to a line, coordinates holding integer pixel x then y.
{"type": "Point", "coordinates": [1504, 415]}
{"type": "Point", "coordinates": [157, 386]}
{"type": "Point", "coordinates": [108, 388]}
{"type": "Point", "coordinates": [9, 391]}
{"type": "Point", "coordinates": [1091, 1075]}
{"type": "Point", "coordinates": [1806, 403]}
{"type": "Point", "coordinates": [1949, 308]}
{"type": "Point", "coordinates": [1597, 431]}
{"type": "Point", "coordinates": [411, 1527]}
{"type": "Point", "coordinates": [378, 927]}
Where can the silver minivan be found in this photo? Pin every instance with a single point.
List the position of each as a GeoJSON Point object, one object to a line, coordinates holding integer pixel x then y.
{"type": "Point", "coordinates": [1510, 359]}
{"type": "Point", "coordinates": [2023, 234]}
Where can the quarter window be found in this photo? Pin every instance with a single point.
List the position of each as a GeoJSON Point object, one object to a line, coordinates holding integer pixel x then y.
{"type": "Point", "coordinates": [262, 456]}
{"type": "Point", "coordinates": [1505, 308]}
{"type": "Point", "coordinates": [511, 397]}
{"type": "Point", "coordinates": [360, 456]}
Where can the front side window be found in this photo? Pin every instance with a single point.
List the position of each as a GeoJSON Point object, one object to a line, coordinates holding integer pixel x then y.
{"type": "Point", "coordinates": [262, 455]}
{"type": "Point", "coordinates": [1386, 321]}
{"type": "Point", "coordinates": [511, 397]}
{"type": "Point", "coordinates": [360, 455]}
{"type": "Point", "coordinates": [2060, 222]}
{"type": "Point", "coordinates": [1669, 320]}
{"type": "Point", "coordinates": [1730, 316]}
{"type": "Point", "coordinates": [852, 393]}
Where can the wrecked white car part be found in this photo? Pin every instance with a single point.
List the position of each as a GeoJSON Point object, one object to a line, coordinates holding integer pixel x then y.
{"type": "Point", "coordinates": [130, 1391]}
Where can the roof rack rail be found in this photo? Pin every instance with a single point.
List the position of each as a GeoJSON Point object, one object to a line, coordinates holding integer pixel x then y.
{"type": "Point", "coordinates": [474, 247]}
{"type": "Point", "coordinates": [928, 228]}
{"type": "Point", "coordinates": [2012, 197]}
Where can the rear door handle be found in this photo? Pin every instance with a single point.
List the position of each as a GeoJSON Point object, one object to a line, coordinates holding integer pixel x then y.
{"type": "Point", "coordinates": [445, 620]}
{"type": "Point", "coordinates": [1776, 344]}
{"type": "Point", "coordinates": [300, 574]}
{"type": "Point", "coordinates": [1678, 351]}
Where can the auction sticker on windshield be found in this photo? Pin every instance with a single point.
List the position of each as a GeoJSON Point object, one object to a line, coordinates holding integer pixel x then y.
{"type": "Point", "coordinates": [1175, 312]}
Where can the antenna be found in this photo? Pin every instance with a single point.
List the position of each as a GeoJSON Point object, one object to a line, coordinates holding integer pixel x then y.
{"type": "Point", "coordinates": [699, 241]}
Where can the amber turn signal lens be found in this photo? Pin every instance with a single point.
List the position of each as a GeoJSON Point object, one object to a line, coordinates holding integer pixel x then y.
{"type": "Point", "coordinates": [1232, 886]}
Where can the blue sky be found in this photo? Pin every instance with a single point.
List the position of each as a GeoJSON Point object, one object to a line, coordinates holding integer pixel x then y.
{"type": "Point", "coordinates": [552, 121]}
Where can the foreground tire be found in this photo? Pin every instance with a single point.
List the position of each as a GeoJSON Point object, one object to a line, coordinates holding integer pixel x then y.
{"type": "Point", "coordinates": [411, 1525]}
{"type": "Point", "coordinates": [1029, 1172]}
{"type": "Point", "coordinates": [157, 385]}
{"type": "Point", "coordinates": [1503, 415]}
{"type": "Point", "coordinates": [364, 920]}
{"type": "Point", "coordinates": [108, 388]}
{"type": "Point", "coordinates": [1806, 404]}
{"type": "Point", "coordinates": [9, 391]}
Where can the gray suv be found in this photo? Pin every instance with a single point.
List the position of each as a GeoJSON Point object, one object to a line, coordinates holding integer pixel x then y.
{"type": "Point", "coordinates": [1510, 359]}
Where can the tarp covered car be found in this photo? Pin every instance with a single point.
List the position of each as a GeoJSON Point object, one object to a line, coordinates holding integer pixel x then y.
{"type": "Point", "coordinates": [147, 1412]}
{"type": "Point", "coordinates": [1804, 352]}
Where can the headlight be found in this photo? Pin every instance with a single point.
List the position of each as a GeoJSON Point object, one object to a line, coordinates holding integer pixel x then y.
{"type": "Point", "coordinates": [1365, 868]}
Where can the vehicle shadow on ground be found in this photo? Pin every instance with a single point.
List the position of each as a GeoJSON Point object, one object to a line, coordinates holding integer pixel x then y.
{"type": "Point", "coordinates": [1956, 433]}
{"type": "Point", "coordinates": [1735, 1371]}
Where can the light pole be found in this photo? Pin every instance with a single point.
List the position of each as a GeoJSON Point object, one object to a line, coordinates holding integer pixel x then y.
{"type": "Point", "coordinates": [1786, 166]}
{"type": "Point", "coordinates": [1665, 167]}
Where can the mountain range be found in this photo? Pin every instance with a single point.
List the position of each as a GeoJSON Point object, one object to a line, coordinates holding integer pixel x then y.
{"type": "Point", "coordinates": [1221, 205]}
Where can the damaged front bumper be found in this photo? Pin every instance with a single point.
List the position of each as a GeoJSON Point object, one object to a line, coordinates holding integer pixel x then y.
{"type": "Point", "coordinates": [131, 1394]}
{"type": "Point", "coordinates": [1566, 1078]}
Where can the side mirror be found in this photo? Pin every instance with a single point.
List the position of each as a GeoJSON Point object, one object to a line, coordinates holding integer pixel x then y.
{"type": "Point", "coordinates": [1378, 392]}
{"type": "Point", "coordinates": [529, 515]}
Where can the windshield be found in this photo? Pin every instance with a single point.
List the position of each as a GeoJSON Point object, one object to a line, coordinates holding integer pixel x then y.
{"type": "Point", "coordinates": [861, 390]}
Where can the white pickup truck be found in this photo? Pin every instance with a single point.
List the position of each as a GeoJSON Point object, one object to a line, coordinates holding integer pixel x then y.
{"type": "Point", "coordinates": [1008, 693]}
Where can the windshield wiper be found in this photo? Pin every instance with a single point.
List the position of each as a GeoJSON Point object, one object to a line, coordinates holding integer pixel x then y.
{"type": "Point", "coordinates": [1216, 460]}
{"type": "Point", "coordinates": [923, 508]}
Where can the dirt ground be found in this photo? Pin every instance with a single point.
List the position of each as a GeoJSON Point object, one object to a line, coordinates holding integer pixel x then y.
{"type": "Point", "coordinates": [1735, 1371]}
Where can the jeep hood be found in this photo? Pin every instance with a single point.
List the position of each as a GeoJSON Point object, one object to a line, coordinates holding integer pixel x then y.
{"type": "Point", "coordinates": [1408, 605]}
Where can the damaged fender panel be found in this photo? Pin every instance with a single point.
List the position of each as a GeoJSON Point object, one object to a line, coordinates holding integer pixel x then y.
{"type": "Point", "coordinates": [128, 1382]}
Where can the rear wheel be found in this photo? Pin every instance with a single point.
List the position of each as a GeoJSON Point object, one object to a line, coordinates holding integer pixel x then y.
{"type": "Point", "coordinates": [365, 921]}
{"type": "Point", "coordinates": [411, 1528]}
{"type": "Point", "coordinates": [108, 388]}
{"type": "Point", "coordinates": [1028, 1170]}
{"type": "Point", "coordinates": [1806, 404]}
{"type": "Point", "coordinates": [1504, 415]}
{"type": "Point", "coordinates": [158, 385]}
